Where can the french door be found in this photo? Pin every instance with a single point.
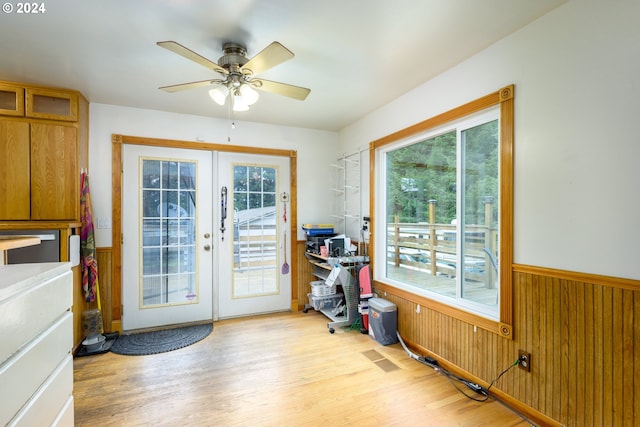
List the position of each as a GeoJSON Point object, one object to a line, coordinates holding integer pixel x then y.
{"type": "Point", "coordinates": [255, 248]}
{"type": "Point", "coordinates": [193, 252]}
{"type": "Point", "coordinates": [167, 266]}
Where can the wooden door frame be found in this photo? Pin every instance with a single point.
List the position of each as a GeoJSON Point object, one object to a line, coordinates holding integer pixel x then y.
{"type": "Point", "coordinates": [117, 142]}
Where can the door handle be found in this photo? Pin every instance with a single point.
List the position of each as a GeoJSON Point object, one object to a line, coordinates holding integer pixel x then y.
{"type": "Point", "coordinates": [207, 247]}
{"type": "Point", "coordinates": [207, 235]}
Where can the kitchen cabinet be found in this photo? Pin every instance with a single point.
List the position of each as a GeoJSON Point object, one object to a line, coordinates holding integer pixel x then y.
{"type": "Point", "coordinates": [15, 180]}
{"type": "Point", "coordinates": [11, 100]}
{"type": "Point", "coordinates": [43, 146]}
{"type": "Point", "coordinates": [51, 104]}
{"type": "Point", "coordinates": [55, 175]}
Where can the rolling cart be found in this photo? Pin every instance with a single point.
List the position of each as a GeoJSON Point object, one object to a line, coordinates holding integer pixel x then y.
{"type": "Point", "coordinates": [339, 271]}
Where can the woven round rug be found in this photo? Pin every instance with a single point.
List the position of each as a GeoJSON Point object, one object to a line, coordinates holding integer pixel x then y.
{"type": "Point", "coordinates": [155, 342]}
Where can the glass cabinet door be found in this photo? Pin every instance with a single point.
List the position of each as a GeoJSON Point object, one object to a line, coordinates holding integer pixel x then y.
{"type": "Point", "coordinates": [11, 100]}
{"type": "Point", "coordinates": [51, 104]}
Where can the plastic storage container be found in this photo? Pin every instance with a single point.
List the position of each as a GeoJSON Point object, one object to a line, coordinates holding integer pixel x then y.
{"type": "Point", "coordinates": [383, 321]}
{"type": "Point", "coordinates": [320, 289]}
{"type": "Point", "coordinates": [324, 302]}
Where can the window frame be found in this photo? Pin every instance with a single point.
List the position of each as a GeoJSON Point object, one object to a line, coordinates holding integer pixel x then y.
{"type": "Point", "coordinates": [457, 127]}
{"type": "Point", "coordinates": [504, 99]}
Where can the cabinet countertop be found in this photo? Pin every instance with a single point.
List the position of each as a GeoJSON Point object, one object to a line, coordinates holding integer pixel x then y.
{"type": "Point", "coordinates": [13, 242]}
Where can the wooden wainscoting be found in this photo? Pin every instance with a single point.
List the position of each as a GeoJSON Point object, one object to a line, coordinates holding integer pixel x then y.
{"type": "Point", "coordinates": [105, 256]}
{"type": "Point", "coordinates": [581, 332]}
{"type": "Point", "coordinates": [305, 275]}
{"type": "Point", "coordinates": [79, 305]}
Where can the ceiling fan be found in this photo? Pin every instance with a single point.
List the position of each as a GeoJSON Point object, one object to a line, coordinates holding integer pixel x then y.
{"type": "Point", "coordinates": [238, 73]}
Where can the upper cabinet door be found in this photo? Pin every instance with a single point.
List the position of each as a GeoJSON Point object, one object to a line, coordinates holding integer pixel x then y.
{"type": "Point", "coordinates": [11, 100]}
{"type": "Point", "coordinates": [55, 176]}
{"type": "Point", "coordinates": [14, 170]}
{"type": "Point", "coordinates": [52, 104]}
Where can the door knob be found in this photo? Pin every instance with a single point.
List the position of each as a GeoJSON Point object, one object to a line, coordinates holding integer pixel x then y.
{"type": "Point", "coordinates": [207, 235]}
{"type": "Point", "coordinates": [207, 247]}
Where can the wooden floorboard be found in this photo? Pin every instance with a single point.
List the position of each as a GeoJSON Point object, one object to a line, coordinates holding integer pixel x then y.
{"type": "Point", "coordinates": [275, 370]}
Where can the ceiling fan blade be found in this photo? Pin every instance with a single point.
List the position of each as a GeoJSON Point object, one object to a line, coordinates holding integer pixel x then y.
{"type": "Point", "coordinates": [268, 57]}
{"type": "Point", "coordinates": [192, 85]}
{"type": "Point", "coordinates": [283, 89]}
{"type": "Point", "coordinates": [191, 55]}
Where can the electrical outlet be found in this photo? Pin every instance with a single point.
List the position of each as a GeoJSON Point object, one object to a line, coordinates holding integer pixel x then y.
{"type": "Point", "coordinates": [524, 360]}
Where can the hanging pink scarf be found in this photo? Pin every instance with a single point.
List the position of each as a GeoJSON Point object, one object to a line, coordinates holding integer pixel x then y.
{"type": "Point", "coordinates": [87, 243]}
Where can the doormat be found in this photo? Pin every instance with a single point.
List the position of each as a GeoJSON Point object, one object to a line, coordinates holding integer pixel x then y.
{"type": "Point", "coordinates": [155, 342]}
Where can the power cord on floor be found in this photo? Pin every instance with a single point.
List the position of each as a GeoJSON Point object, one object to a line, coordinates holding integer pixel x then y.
{"type": "Point", "coordinates": [454, 379]}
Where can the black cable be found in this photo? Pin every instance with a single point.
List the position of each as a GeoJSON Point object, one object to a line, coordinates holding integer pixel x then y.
{"type": "Point", "coordinates": [451, 377]}
{"type": "Point", "coordinates": [478, 389]}
{"type": "Point", "coordinates": [516, 363]}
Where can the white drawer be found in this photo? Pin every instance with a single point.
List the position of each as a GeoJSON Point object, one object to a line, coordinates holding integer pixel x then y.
{"type": "Point", "coordinates": [29, 312]}
{"type": "Point", "coordinates": [25, 372]}
{"type": "Point", "coordinates": [51, 399]}
{"type": "Point", "coordinates": [66, 416]}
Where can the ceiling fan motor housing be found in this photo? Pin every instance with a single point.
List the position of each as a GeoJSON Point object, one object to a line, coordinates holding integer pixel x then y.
{"type": "Point", "coordinates": [235, 56]}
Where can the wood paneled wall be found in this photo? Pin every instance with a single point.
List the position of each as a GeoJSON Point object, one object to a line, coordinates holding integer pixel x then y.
{"type": "Point", "coordinates": [79, 305]}
{"type": "Point", "coordinates": [305, 275]}
{"type": "Point", "coordinates": [104, 256]}
{"type": "Point", "coordinates": [585, 369]}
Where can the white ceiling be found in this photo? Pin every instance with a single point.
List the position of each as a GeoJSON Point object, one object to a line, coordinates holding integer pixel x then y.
{"type": "Point", "coordinates": [354, 55]}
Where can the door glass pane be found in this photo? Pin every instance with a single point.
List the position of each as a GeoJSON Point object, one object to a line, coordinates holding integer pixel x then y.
{"type": "Point", "coordinates": [255, 271]}
{"type": "Point", "coordinates": [168, 233]}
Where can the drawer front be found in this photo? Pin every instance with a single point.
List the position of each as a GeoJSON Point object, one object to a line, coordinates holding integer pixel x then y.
{"type": "Point", "coordinates": [25, 315]}
{"type": "Point", "coordinates": [23, 374]}
{"type": "Point", "coordinates": [51, 400]}
{"type": "Point", "coordinates": [66, 416]}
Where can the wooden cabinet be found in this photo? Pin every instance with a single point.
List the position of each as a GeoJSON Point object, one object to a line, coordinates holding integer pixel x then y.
{"type": "Point", "coordinates": [51, 104]}
{"type": "Point", "coordinates": [14, 170]}
{"type": "Point", "coordinates": [55, 186]}
{"type": "Point", "coordinates": [11, 100]}
{"type": "Point", "coordinates": [41, 152]}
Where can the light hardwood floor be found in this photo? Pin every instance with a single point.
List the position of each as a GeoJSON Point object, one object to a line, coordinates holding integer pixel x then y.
{"type": "Point", "coordinates": [275, 370]}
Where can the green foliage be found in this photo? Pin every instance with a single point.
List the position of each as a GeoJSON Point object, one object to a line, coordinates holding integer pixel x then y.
{"type": "Point", "coordinates": [427, 171]}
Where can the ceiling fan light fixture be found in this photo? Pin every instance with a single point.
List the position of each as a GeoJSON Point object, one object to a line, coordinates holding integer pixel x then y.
{"type": "Point", "coordinates": [219, 94]}
{"type": "Point", "coordinates": [248, 94]}
{"type": "Point", "coordinates": [239, 104]}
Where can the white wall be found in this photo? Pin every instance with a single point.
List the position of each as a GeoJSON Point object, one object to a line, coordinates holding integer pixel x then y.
{"type": "Point", "coordinates": [577, 126]}
{"type": "Point", "coordinates": [315, 151]}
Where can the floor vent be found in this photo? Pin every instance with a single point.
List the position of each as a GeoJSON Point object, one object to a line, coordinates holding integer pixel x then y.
{"type": "Point", "coordinates": [380, 361]}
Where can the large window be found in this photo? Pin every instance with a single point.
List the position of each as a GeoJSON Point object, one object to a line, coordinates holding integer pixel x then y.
{"type": "Point", "coordinates": [442, 223]}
